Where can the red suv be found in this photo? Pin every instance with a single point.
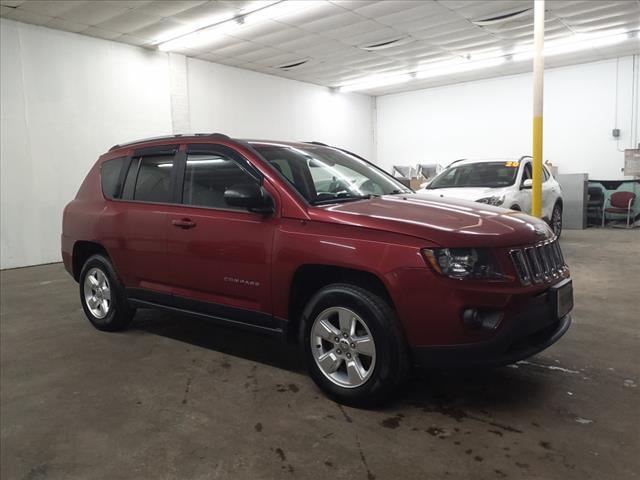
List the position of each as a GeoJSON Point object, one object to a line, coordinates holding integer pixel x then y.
{"type": "Point", "coordinates": [315, 245]}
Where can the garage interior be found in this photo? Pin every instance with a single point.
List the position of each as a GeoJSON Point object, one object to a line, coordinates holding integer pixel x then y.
{"type": "Point", "coordinates": [409, 85]}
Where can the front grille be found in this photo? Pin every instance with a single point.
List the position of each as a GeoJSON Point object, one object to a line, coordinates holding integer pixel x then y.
{"type": "Point", "coordinates": [538, 263]}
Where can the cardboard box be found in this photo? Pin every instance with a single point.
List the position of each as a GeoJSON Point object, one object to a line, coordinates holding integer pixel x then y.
{"type": "Point", "coordinates": [416, 182]}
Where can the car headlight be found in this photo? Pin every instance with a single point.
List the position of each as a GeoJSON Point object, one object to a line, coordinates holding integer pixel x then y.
{"type": "Point", "coordinates": [464, 263]}
{"type": "Point", "coordinates": [496, 200]}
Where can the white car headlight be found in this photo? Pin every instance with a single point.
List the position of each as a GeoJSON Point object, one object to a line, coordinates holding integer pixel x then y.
{"type": "Point", "coordinates": [496, 200]}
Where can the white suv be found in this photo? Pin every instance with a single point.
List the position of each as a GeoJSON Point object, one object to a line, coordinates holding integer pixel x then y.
{"type": "Point", "coordinates": [505, 183]}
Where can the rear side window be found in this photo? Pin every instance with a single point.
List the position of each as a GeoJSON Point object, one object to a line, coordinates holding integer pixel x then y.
{"type": "Point", "coordinates": [206, 178]}
{"type": "Point", "coordinates": [149, 179]}
{"type": "Point", "coordinates": [110, 177]}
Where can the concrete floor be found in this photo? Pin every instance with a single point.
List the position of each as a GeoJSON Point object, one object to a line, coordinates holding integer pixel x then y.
{"type": "Point", "coordinates": [175, 398]}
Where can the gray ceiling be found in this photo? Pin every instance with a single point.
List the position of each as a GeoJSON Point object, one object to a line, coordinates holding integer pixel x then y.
{"type": "Point", "coordinates": [331, 35]}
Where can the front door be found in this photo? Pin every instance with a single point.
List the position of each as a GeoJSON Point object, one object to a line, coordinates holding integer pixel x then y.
{"type": "Point", "coordinates": [219, 256]}
{"type": "Point", "coordinates": [525, 193]}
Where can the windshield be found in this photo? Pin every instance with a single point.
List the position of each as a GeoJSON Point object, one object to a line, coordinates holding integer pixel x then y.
{"type": "Point", "coordinates": [328, 175]}
{"type": "Point", "coordinates": [484, 174]}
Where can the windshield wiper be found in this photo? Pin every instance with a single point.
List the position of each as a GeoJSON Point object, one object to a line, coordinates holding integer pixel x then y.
{"type": "Point", "coordinates": [400, 192]}
{"type": "Point", "coordinates": [350, 198]}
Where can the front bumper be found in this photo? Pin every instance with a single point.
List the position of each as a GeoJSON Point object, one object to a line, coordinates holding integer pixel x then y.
{"type": "Point", "coordinates": [524, 335]}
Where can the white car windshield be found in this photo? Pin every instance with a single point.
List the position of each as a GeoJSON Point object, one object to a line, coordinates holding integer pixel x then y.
{"type": "Point", "coordinates": [481, 174]}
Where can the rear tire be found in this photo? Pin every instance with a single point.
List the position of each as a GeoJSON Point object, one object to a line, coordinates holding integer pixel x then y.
{"type": "Point", "coordinates": [556, 220]}
{"type": "Point", "coordinates": [102, 295]}
{"type": "Point", "coordinates": [353, 345]}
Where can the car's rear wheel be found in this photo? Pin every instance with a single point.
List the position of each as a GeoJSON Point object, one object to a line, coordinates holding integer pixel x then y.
{"type": "Point", "coordinates": [354, 347]}
{"type": "Point", "coordinates": [556, 220]}
{"type": "Point", "coordinates": [102, 295]}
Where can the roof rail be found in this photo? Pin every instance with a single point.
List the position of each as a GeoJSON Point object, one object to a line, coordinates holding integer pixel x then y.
{"type": "Point", "coordinates": [317, 143]}
{"type": "Point", "coordinates": [220, 136]}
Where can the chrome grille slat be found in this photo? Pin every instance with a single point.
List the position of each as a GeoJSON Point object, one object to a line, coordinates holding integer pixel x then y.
{"type": "Point", "coordinates": [538, 263]}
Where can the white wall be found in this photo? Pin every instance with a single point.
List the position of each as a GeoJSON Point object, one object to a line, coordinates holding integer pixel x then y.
{"type": "Point", "coordinates": [246, 104]}
{"type": "Point", "coordinates": [67, 98]}
{"type": "Point", "coordinates": [493, 118]}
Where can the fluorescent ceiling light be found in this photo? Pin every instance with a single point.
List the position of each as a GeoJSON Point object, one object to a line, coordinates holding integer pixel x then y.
{"type": "Point", "coordinates": [576, 43]}
{"type": "Point", "coordinates": [375, 82]}
{"type": "Point", "coordinates": [203, 33]}
{"type": "Point", "coordinates": [454, 66]}
{"type": "Point", "coordinates": [437, 70]}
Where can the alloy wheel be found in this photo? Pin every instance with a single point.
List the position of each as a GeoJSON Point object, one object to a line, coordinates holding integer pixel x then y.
{"type": "Point", "coordinates": [343, 347]}
{"type": "Point", "coordinates": [97, 293]}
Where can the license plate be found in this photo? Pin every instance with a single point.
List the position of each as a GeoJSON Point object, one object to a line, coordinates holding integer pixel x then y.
{"type": "Point", "coordinates": [563, 297]}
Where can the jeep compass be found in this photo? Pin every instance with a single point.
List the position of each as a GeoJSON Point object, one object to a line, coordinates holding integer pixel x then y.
{"type": "Point", "coordinates": [313, 244]}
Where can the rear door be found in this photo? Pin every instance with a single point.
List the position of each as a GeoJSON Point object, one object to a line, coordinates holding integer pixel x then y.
{"type": "Point", "coordinates": [220, 256]}
{"type": "Point", "coordinates": [136, 224]}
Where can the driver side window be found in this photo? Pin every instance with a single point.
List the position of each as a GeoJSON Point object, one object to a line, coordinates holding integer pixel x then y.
{"type": "Point", "coordinates": [206, 178]}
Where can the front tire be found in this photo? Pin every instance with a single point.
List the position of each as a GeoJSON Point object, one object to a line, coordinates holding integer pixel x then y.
{"type": "Point", "coordinates": [556, 220]}
{"type": "Point", "coordinates": [354, 348]}
{"type": "Point", "coordinates": [102, 295]}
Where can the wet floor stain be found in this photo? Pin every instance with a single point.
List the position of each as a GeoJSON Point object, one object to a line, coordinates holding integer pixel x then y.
{"type": "Point", "coordinates": [258, 427]}
{"type": "Point", "coordinates": [280, 454]}
{"type": "Point", "coordinates": [292, 387]}
{"type": "Point", "coordinates": [283, 458]}
{"type": "Point", "coordinates": [392, 422]}
{"type": "Point", "coordinates": [186, 391]}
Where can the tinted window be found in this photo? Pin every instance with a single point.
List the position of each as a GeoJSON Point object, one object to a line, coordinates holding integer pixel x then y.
{"type": "Point", "coordinates": [110, 174]}
{"type": "Point", "coordinates": [207, 177]}
{"type": "Point", "coordinates": [527, 172]}
{"type": "Point", "coordinates": [149, 179]}
{"type": "Point", "coordinates": [546, 174]}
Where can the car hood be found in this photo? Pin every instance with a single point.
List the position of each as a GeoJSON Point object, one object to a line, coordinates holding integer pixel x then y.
{"type": "Point", "coordinates": [466, 193]}
{"type": "Point", "coordinates": [444, 221]}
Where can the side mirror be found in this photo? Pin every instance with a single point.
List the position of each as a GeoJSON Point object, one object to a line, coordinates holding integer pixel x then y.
{"type": "Point", "coordinates": [527, 184]}
{"type": "Point", "coordinates": [250, 196]}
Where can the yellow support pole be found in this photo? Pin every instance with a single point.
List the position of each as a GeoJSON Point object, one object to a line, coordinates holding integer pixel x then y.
{"type": "Point", "coordinates": [538, 83]}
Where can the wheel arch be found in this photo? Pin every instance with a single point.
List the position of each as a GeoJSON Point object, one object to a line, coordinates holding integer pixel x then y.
{"type": "Point", "coordinates": [310, 278]}
{"type": "Point", "coordinates": [82, 250]}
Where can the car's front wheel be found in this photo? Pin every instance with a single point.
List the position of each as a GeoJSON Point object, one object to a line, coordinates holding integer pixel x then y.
{"type": "Point", "coordinates": [102, 295]}
{"type": "Point", "coordinates": [353, 345]}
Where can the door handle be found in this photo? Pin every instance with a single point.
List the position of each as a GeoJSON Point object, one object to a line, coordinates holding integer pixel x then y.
{"type": "Point", "coordinates": [184, 223]}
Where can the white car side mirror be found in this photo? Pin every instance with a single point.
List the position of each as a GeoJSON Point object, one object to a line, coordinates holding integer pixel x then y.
{"type": "Point", "coordinates": [528, 183]}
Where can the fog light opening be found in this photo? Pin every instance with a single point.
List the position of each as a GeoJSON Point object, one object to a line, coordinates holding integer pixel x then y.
{"type": "Point", "coordinates": [480, 319]}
